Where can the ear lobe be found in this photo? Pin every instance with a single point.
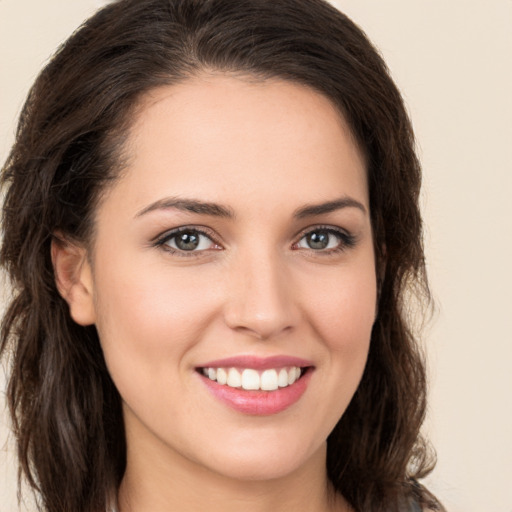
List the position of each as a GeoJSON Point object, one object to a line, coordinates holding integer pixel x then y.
{"type": "Point", "coordinates": [73, 278]}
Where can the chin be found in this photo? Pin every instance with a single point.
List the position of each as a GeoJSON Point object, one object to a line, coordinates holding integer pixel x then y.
{"type": "Point", "coordinates": [263, 463]}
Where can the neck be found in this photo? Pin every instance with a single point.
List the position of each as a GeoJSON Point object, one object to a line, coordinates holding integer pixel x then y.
{"type": "Point", "coordinates": [158, 484]}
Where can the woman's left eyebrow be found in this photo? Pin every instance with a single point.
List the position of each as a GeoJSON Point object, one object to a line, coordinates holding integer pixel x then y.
{"type": "Point", "coordinates": [328, 207]}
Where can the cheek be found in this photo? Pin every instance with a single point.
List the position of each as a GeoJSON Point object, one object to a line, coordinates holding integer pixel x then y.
{"type": "Point", "coordinates": [148, 321]}
{"type": "Point", "coordinates": [150, 300]}
{"type": "Point", "coordinates": [343, 314]}
{"type": "Point", "coordinates": [340, 308]}
{"type": "Point", "coordinates": [343, 309]}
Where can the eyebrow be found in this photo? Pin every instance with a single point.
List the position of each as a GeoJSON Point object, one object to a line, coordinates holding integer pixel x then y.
{"type": "Point", "coordinates": [189, 205]}
{"type": "Point", "coordinates": [328, 207]}
{"type": "Point", "coordinates": [217, 210]}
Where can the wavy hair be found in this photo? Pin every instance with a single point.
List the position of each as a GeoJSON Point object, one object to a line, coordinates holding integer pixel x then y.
{"type": "Point", "coordinates": [65, 409]}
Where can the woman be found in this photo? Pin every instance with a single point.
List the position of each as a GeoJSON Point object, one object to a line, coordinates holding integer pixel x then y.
{"type": "Point", "coordinates": [211, 264]}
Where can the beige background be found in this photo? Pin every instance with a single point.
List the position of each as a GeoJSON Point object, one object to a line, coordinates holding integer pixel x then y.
{"type": "Point", "coordinates": [452, 60]}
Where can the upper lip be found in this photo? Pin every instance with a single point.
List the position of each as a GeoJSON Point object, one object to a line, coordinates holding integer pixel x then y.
{"type": "Point", "coordinates": [256, 362]}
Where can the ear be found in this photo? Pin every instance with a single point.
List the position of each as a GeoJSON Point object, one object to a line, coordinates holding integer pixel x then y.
{"type": "Point", "coordinates": [73, 277]}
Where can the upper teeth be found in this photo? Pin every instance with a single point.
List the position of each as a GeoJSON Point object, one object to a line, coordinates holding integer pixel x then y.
{"type": "Point", "coordinates": [250, 379]}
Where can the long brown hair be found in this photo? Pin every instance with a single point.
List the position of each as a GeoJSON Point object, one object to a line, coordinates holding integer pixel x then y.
{"type": "Point", "coordinates": [65, 409]}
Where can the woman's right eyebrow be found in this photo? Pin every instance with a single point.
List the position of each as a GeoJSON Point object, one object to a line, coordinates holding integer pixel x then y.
{"type": "Point", "coordinates": [189, 205]}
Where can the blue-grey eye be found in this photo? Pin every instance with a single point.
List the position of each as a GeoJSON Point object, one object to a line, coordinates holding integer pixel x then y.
{"type": "Point", "coordinates": [319, 239]}
{"type": "Point", "coordinates": [189, 240]}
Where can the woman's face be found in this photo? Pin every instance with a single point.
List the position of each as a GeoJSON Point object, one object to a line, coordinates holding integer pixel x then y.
{"type": "Point", "coordinates": [236, 244]}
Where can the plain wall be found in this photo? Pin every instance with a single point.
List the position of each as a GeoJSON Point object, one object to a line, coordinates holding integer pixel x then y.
{"type": "Point", "coordinates": [452, 60]}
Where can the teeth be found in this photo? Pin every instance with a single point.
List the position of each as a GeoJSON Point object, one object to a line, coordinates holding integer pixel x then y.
{"type": "Point", "coordinates": [250, 379]}
{"type": "Point", "coordinates": [234, 379]}
{"type": "Point", "coordinates": [222, 376]}
{"type": "Point", "coordinates": [269, 380]}
{"type": "Point", "coordinates": [282, 378]}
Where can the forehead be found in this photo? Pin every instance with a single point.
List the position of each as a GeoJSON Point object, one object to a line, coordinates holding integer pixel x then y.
{"type": "Point", "coordinates": [222, 137]}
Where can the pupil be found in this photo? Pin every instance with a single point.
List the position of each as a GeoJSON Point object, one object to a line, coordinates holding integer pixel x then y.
{"type": "Point", "coordinates": [187, 241]}
{"type": "Point", "coordinates": [318, 240]}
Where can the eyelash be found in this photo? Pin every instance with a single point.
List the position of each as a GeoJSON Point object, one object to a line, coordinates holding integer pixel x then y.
{"type": "Point", "coordinates": [163, 240]}
{"type": "Point", "coordinates": [346, 240]}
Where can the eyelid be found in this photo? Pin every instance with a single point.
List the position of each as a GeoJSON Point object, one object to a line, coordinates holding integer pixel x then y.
{"type": "Point", "coordinates": [347, 239]}
{"type": "Point", "coordinates": [161, 239]}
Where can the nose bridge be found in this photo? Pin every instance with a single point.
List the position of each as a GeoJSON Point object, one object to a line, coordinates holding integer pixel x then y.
{"type": "Point", "coordinates": [259, 300]}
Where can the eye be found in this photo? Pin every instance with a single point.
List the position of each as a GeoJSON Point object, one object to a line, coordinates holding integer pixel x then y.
{"type": "Point", "coordinates": [325, 239]}
{"type": "Point", "coordinates": [187, 240]}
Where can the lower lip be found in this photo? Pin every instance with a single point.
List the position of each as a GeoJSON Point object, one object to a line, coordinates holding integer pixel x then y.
{"type": "Point", "coordinates": [259, 403]}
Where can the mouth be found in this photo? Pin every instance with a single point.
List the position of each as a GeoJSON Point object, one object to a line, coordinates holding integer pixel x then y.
{"type": "Point", "coordinates": [250, 379]}
{"type": "Point", "coordinates": [257, 386]}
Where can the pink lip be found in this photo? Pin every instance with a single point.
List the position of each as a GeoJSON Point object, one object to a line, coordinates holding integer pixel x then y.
{"type": "Point", "coordinates": [258, 403]}
{"type": "Point", "coordinates": [257, 363]}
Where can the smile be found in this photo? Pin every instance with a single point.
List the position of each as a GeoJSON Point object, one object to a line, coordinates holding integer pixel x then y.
{"type": "Point", "coordinates": [257, 386]}
{"type": "Point", "coordinates": [250, 379]}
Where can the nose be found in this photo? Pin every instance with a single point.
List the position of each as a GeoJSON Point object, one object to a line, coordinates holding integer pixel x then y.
{"type": "Point", "coordinates": [260, 297]}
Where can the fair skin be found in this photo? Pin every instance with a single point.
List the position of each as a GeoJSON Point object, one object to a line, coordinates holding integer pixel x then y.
{"type": "Point", "coordinates": [275, 258]}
